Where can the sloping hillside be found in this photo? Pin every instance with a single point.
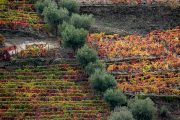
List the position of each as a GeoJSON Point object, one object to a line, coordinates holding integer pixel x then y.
{"type": "Point", "coordinates": [53, 92]}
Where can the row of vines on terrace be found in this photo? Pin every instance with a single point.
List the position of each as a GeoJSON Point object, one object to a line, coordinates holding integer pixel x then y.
{"type": "Point", "coordinates": [148, 64]}
{"type": "Point", "coordinates": [49, 92]}
{"type": "Point", "coordinates": [20, 16]}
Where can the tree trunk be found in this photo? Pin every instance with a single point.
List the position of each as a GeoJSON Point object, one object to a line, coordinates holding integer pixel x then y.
{"type": "Point", "coordinates": [56, 30]}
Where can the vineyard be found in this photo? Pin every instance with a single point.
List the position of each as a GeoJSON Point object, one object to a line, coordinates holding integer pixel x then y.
{"type": "Point", "coordinates": [57, 62]}
{"type": "Point", "coordinates": [34, 50]}
{"type": "Point", "coordinates": [20, 16]}
{"type": "Point", "coordinates": [148, 65]}
{"type": "Point", "coordinates": [57, 91]}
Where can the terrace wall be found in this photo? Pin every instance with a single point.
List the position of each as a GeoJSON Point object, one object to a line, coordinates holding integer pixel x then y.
{"type": "Point", "coordinates": [125, 9]}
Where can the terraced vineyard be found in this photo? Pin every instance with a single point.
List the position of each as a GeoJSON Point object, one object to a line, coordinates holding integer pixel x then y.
{"type": "Point", "coordinates": [49, 92]}
{"type": "Point", "coordinates": [20, 16]}
{"type": "Point", "coordinates": [67, 80]}
{"type": "Point", "coordinates": [148, 65]}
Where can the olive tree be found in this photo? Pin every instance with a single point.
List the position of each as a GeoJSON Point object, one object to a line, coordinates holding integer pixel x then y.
{"type": "Point", "coordinates": [73, 38]}
{"type": "Point", "coordinates": [121, 113]}
{"type": "Point", "coordinates": [86, 55]}
{"type": "Point", "coordinates": [41, 4]}
{"type": "Point", "coordinates": [54, 16]}
{"type": "Point", "coordinates": [142, 109]}
{"type": "Point", "coordinates": [72, 5]}
{"type": "Point", "coordinates": [82, 21]}
{"type": "Point", "coordinates": [93, 66]}
{"type": "Point", "coordinates": [101, 81]}
{"type": "Point", "coordinates": [115, 97]}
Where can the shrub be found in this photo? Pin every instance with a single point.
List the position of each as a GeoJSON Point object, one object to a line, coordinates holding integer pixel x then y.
{"type": "Point", "coordinates": [121, 114]}
{"type": "Point", "coordinates": [115, 97]}
{"type": "Point", "coordinates": [92, 66]}
{"type": "Point", "coordinates": [164, 111]}
{"type": "Point", "coordinates": [71, 5]}
{"type": "Point", "coordinates": [85, 55]}
{"type": "Point", "coordinates": [73, 38]}
{"type": "Point", "coordinates": [54, 16]}
{"type": "Point", "coordinates": [62, 27]}
{"type": "Point", "coordinates": [63, 15]}
{"type": "Point", "coordinates": [101, 81]}
{"type": "Point", "coordinates": [40, 5]}
{"type": "Point", "coordinates": [82, 21]}
{"type": "Point", "coordinates": [142, 109]}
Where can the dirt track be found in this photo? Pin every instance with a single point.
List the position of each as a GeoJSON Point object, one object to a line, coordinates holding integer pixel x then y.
{"type": "Point", "coordinates": [21, 42]}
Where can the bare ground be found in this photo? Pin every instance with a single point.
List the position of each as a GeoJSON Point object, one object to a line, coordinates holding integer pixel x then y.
{"type": "Point", "coordinates": [140, 22]}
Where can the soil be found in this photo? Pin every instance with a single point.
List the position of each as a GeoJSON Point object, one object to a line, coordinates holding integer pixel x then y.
{"type": "Point", "coordinates": [139, 22]}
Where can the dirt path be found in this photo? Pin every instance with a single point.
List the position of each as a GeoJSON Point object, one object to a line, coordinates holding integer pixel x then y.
{"type": "Point", "coordinates": [21, 42]}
